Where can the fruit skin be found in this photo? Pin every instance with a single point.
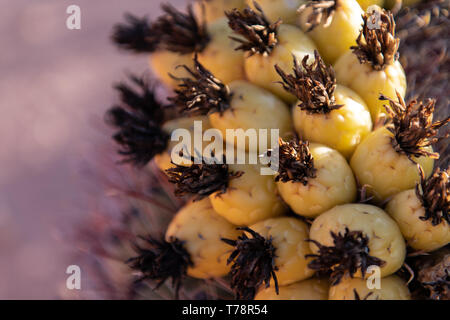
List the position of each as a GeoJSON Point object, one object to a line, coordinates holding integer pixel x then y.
{"type": "Point", "coordinates": [311, 289]}
{"type": "Point", "coordinates": [260, 69]}
{"type": "Point", "coordinates": [249, 198]}
{"type": "Point", "coordinates": [288, 237]}
{"type": "Point", "coordinates": [164, 62]}
{"type": "Point", "coordinates": [342, 129]}
{"type": "Point", "coordinates": [335, 39]}
{"type": "Point", "coordinates": [214, 9]}
{"type": "Point", "coordinates": [285, 10]}
{"type": "Point", "coordinates": [391, 288]}
{"type": "Point", "coordinates": [369, 83]}
{"type": "Point", "coordinates": [385, 239]}
{"type": "Point", "coordinates": [163, 160]}
{"type": "Point", "coordinates": [376, 163]}
{"type": "Point", "coordinates": [334, 184]}
{"type": "Point", "coordinates": [201, 229]}
{"type": "Point", "coordinates": [253, 108]}
{"type": "Point", "coordinates": [367, 3]}
{"type": "Point", "coordinates": [406, 209]}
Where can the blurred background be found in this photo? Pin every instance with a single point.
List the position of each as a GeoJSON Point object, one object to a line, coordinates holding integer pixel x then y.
{"type": "Point", "coordinates": [55, 86]}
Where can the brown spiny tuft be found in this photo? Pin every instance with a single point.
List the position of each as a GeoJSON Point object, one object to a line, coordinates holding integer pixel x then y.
{"type": "Point", "coordinates": [161, 260]}
{"type": "Point", "coordinates": [201, 179]}
{"type": "Point", "coordinates": [136, 34]}
{"type": "Point", "coordinates": [413, 127]}
{"type": "Point", "coordinates": [357, 296]}
{"type": "Point", "coordinates": [312, 84]}
{"type": "Point", "coordinates": [201, 93]}
{"type": "Point", "coordinates": [322, 12]}
{"type": "Point", "coordinates": [260, 35]}
{"type": "Point", "coordinates": [434, 195]}
{"type": "Point", "coordinates": [377, 43]}
{"type": "Point", "coordinates": [349, 254]}
{"type": "Point", "coordinates": [253, 262]}
{"type": "Point", "coordinates": [181, 32]}
{"type": "Point", "coordinates": [296, 162]}
{"type": "Point", "coordinates": [138, 119]}
{"type": "Point", "coordinates": [434, 274]}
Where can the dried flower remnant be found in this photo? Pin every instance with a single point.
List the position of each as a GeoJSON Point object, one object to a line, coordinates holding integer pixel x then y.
{"type": "Point", "coordinates": [357, 297]}
{"type": "Point", "coordinates": [312, 84]}
{"type": "Point", "coordinates": [202, 93]}
{"type": "Point", "coordinates": [349, 254]}
{"type": "Point", "coordinates": [412, 126]}
{"type": "Point", "coordinates": [202, 179]}
{"type": "Point", "coordinates": [296, 162]}
{"type": "Point", "coordinates": [161, 260]}
{"type": "Point", "coordinates": [322, 11]}
{"type": "Point", "coordinates": [138, 119]}
{"type": "Point", "coordinates": [377, 46]}
{"type": "Point", "coordinates": [253, 264]}
{"type": "Point", "coordinates": [434, 274]}
{"type": "Point", "coordinates": [434, 195]}
{"type": "Point", "coordinates": [260, 35]}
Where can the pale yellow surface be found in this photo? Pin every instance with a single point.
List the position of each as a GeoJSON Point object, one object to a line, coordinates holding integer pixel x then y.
{"type": "Point", "coordinates": [285, 10]}
{"type": "Point", "coordinates": [406, 209]}
{"type": "Point", "coordinates": [376, 163]}
{"type": "Point", "coordinates": [391, 288]}
{"type": "Point", "coordinates": [260, 69]}
{"type": "Point", "coordinates": [367, 3]}
{"type": "Point", "coordinates": [215, 9]}
{"type": "Point", "coordinates": [341, 129]}
{"type": "Point", "coordinates": [253, 108]}
{"type": "Point", "coordinates": [219, 56]}
{"type": "Point", "coordinates": [385, 239]}
{"type": "Point", "coordinates": [335, 39]}
{"type": "Point", "coordinates": [249, 198]}
{"type": "Point", "coordinates": [201, 229]}
{"type": "Point", "coordinates": [311, 289]}
{"type": "Point", "coordinates": [334, 184]}
{"type": "Point", "coordinates": [164, 62]}
{"type": "Point", "coordinates": [288, 237]}
{"type": "Point", "coordinates": [164, 160]}
{"type": "Point", "coordinates": [369, 83]}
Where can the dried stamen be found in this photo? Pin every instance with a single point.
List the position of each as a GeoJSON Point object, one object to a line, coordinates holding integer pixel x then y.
{"type": "Point", "coordinates": [202, 179]}
{"type": "Point", "coordinates": [357, 297]}
{"type": "Point", "coordinates": [201, 93]}
{"type": "Point", "coordinates": [296, 162]}
{"type": "Point", "coordinates": [434, 274]}
{"type": "Point", "coordinates": [322, 12]}
{"type": "Point", "coordinates": [260, 35]}
{"type": "Point", "coordinates": [349, 254]}
{"type": "Point", "coordinates": [377, 43]}
{"type": "Point", "coordinates": [161, 260]}
{"type": "Point", "coordinates": [434, 195]}
{"type": "Point", "coordinates": [253, 264]}
{"type": "Point", "coordinates": [138, 121]}
{"type": "Point", "coordinates": [313, 85]}
{"type": "Point", "coordinates": [413, 127]}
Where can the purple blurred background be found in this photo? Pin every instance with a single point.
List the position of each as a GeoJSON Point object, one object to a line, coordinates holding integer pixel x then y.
{"type": "Point", "coordinates": [55, 85]}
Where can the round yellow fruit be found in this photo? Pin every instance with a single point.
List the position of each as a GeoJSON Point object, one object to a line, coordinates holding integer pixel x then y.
{"type": "Point", "coordinates": [285, 10]}
{"type": "Point", "coordinates": [334, 184]}
{"type": "Point", "coordinates": [201, 230]}
{"type": "Point", "coordinates": [406, 209]}
{"type": "Point", "coordinates": [342, 129]}
{"type": "Point", "coordinates": [376, 163]}
{"type": "Point", "coordinates": [311, 289]}
{"type": "Point", "coordinates": [367, 3]}
{"type": "Point", "coordinates": [214, 9]}
{"type": "Point", "coordinates": [385, 240]}
{"type": "Point", "coordinates": [165, 62]}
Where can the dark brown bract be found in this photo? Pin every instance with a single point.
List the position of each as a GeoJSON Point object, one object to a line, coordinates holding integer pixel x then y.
{"type": "Point", "coordinates": [253, 264]}
{"type": "Point", "coordinates": [138, 119]}
{"type": "Point", "coordinates": [412, 126]}
{"type": "Point", "coordinates": [161, 260]}
{"type": "Point", "coordinates": [349, 254]}
{"type": "Point", "coordinates": [201, 93]}
{"type": "Point", "coordinates": [296, 162]}
{"type": "Point", "coordinates": [260, 35]}
{"type": "Point", "coordinates": [312, 84]}
{"type": "Point", "coordinates": [377, 43]}
{"type": "Point", "coordinates": [322, 12]}
{"type": "Point", "coordinates": [434, 195]}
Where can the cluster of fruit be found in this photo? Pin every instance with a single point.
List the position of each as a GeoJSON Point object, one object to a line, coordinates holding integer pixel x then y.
{"type": "Point", "coordinates": [355, 184]}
